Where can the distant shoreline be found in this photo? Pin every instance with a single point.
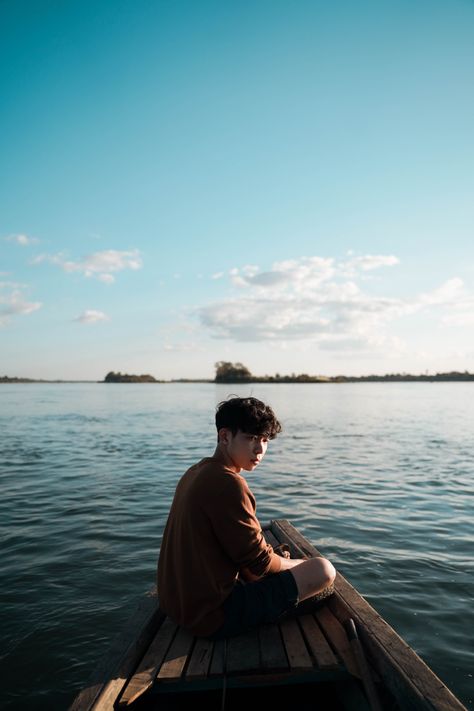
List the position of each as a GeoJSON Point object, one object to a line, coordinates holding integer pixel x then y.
{"type": "Point", "coordinates": [298, 379]}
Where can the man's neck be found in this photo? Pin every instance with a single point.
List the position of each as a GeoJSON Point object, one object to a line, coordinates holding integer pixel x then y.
{"type": "Point", "coordinates": [222, 457]}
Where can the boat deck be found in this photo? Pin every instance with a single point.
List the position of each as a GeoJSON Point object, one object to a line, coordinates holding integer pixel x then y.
{"type": "Point", "coordinates": [154, 658]}
{"type": "Point", "coordinates": [307, 648]}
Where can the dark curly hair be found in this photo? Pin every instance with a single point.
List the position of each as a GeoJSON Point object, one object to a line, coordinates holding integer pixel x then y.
{"type": "Point", "coordinates": [247, 414]}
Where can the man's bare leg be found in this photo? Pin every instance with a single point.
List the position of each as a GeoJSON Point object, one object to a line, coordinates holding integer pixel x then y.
{"type": "Point", "coordinates": [311, 576]}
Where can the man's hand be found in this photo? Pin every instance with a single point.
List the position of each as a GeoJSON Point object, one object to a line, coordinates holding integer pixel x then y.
{"type": "Point", "coordinates": [283, 550]}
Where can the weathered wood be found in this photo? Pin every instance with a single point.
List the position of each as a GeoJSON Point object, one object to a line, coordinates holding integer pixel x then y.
{"type": "Point", "coordinates": [177, 655]}
{"type": "Point", "coordinates": [286, 533]}
{"type": "Point", "coordinates": [298, 656]}
{"type": "Point", "coordinates": [200, 660]}
{"type": "Point", "coordinates": [270, 538]}
{"type": "Point", "coordinates": [320, 649]}
{"type": "Point", "coordinates": [218, 658]}
{"type": "Point", "coordinates": [127, 648]}
{"type": "Point", "coordinates": [336, 634]}
{"type": "Point", "coordinates": [403, 672]}
{"type": "Point", "coordinates": [151, 663]}
{"type": "Point", "coordinates": [243, 654]}
{"type": "Point", "coordinates": [411, 681]}
{"type": "Point", "coordinates": [282, 537]}
{"type": "Point", "coordinates": [272, 651]}
{"type": "Point", "coordinates": [364, 669]}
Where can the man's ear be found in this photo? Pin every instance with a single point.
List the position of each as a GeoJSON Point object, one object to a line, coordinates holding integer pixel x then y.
{"type": "Point", "coordinates": [223, 435]}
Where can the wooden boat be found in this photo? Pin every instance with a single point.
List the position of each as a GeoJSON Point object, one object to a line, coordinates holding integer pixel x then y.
{"type": "Point", "coordinates": [314, 656]}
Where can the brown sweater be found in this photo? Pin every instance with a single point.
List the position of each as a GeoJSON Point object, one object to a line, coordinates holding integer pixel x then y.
{"type": "Point", "coordinates": [212, 532]}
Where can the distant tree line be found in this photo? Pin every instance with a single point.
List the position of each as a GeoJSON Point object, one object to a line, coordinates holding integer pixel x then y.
{"type": "Point", "coordinates": [6, 379]}
{"type": "Point", "coordinates": [227, 372]}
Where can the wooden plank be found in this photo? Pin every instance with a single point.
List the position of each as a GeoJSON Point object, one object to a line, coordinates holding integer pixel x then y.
{"type": "Point", "coordinates": [126, 650]}
{"type": "Point", "coordinates": [243, 654]}
{"type": "Point", "coordinates": [317, 643]}
{"type": "Point", "coordinates": [336, 634]}
{"type": "Point", "coordinates": [200, 660]}
{"type": "Point", "coordinates": [218, 658]}
{"type": "Point", "coordinates": [177, 655]}
{"type": "Point", "coordinates": [145, 675]}
{"type": "Point", "coordinates": [272, 651]}
{"type": "Point", "coordinates": [412, 682]}
{"type": "Point", "coordinates": [366, 674]}
{"type": "Point", "coordinates": [298, 655]}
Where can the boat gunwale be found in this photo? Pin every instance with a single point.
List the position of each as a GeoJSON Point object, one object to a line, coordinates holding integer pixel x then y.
{"type": "Point", "coordinates": [407, 676]}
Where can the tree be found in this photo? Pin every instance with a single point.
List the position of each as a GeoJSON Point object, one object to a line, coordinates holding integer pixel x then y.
{"type": "Point", "coordinates": [232, 373]}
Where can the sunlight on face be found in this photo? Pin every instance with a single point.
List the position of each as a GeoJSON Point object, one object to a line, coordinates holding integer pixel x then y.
{"type": "Point", "coordinates": [245, 450]}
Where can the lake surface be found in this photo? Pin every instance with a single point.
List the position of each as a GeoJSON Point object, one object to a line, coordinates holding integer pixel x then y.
{"type": "Point", "coordinates": [380, 476]}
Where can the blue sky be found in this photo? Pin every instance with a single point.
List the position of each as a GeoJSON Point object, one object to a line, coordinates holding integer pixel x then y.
{"type": "Point", "coordinates": [289, 185]}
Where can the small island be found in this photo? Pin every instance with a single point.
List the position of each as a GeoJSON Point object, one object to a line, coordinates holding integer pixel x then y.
{"type": "Point", "coordinates": [126, 378]}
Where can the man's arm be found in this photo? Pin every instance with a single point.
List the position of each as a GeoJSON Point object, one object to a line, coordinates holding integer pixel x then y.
{"type": "Point", "coordinates": [285, 564]}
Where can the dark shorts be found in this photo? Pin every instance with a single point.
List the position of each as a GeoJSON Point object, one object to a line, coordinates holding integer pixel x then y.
{"type": "Point", "coordinates": [258, 603]}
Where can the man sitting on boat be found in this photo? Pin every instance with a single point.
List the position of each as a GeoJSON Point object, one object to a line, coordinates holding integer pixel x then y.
{"type": "Point", "coordinates": [216, 574]}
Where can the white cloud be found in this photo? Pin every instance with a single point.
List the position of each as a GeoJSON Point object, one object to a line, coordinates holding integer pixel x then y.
{"type": "Point", "coordinates": [370, 261]}
{"type": "Point", "coordinates": [22, 240]}
{"type": "Point", "coordinates": [91, 316]}
{"type": "Point", "coordinates": [289, 275]}
{"type": "Point", "coordinates": [51, 258]}
{"type": "Point", "coordinates": [106, 278]}
{"type": "Point", "coordinates": [15, 304]}
{"type": "Point", "coordinates": [319, 300]}
{"type": "Point", "coordinates": [99, 265]}
{"type": "Point", "coordinates": [448, 293]}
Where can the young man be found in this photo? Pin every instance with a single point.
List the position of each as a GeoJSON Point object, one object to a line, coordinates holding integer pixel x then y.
{"type": "Point", "coordinates": [216, 574]}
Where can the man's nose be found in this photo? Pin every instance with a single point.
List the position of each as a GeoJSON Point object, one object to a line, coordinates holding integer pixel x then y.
{"type": "Point", "coordinates": [258, 447]}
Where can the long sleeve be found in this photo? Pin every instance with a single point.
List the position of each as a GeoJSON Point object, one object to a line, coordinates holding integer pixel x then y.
{"type": "Point", "coordinates": [238, 530]}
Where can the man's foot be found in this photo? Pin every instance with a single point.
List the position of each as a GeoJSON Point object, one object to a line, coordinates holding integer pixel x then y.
{"type": "Point", "coordinates": [309, 604]}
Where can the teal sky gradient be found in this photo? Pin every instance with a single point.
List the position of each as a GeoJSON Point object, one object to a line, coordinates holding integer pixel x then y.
{"type": "Point", "coordinates": [285, 184]}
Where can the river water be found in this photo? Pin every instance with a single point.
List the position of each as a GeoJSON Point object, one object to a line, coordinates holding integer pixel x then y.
{"type": "Point", "coordinates": [380, 476]}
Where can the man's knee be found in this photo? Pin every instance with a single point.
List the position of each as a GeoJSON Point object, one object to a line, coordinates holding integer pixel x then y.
{"type": "Point", "coordinates": [328, 571]}
{"type": "Point", "coordinates": [313, 576]}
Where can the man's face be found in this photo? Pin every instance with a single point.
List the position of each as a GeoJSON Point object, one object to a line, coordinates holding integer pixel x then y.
{"type": "Point", "coordinates": [245, 450]}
